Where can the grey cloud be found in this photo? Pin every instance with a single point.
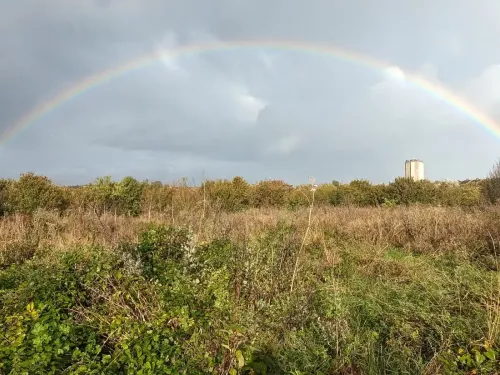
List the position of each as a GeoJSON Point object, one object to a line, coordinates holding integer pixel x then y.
{"type": "Point", "coordinates": [264, 112]}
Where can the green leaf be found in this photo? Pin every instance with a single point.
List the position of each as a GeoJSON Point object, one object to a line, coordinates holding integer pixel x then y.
{"type": "Point", "coordinates": [490, 354]}
{"type": "Point", "coordinates": [479, 358]}
{"type": "Point", "coordinates": [30, 307]}
{"type": "Point", "coordinates": [240, 358]}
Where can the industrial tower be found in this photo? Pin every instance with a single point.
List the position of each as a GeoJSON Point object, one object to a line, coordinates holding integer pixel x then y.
{"type": "Point", "coordinates": [414, 169]}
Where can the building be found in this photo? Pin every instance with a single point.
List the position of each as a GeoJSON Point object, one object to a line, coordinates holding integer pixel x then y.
{"type": "Point", "coordinates": [414, 169]}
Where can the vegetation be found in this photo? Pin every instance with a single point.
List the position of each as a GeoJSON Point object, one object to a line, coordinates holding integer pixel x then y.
{"type": "Point", "coordinates": [137, 277]}
{"type": "Point", "coordinates": [133, 198]}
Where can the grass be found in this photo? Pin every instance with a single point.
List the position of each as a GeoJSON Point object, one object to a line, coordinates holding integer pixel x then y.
{"type": "Point", "coordinates": [334, 290]}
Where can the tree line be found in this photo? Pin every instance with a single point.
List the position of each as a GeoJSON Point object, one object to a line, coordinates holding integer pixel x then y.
{"type": "Point", "coordinates": [129, 196]}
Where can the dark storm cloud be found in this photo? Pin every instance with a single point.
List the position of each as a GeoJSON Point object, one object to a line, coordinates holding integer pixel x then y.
{"type": "Point", "coordinates": [265, 111]}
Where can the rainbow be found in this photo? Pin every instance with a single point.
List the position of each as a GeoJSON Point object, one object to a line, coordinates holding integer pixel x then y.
{"type": "Point", "coordinates": [432, 88]}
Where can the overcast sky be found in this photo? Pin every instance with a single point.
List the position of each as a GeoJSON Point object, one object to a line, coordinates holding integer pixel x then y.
{"type": "Point", "coordinates": [259, 113]}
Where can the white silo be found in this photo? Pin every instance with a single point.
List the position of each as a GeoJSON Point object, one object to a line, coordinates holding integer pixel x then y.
{"type": "Point", "coordinates": [414, 169]}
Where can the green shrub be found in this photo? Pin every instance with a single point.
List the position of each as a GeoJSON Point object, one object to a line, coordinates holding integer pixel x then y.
{"type": "Point", "coordinates": [230, 196]}
{"type": "Point", "coordinates": [128, 195]}
{"type": "Point", "coordinates": [271, 193]}
{"type": "Point", "coordinates": [168, 305]}
{"type": "Point", "coordinates": [32, 192]}
{"type": "Point", "coordinates": [4, 185]}
{"type": "Point", "coordinates": [474, 358]}
{"type": "Point", "coordinates": [299, 197]}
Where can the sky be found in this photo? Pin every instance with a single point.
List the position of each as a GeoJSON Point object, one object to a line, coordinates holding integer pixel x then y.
{"type": "Point", "coordinates": [260, 113]}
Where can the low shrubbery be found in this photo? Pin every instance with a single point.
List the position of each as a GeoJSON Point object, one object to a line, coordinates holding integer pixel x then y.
{"type": "Point", "coordinates": [169, 304]}
{"type": "Point", "coordinates": [133, 198]}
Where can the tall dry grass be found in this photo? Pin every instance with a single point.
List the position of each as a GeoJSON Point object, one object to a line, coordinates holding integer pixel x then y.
{"type": "Point", "coordinates": [419, 229]}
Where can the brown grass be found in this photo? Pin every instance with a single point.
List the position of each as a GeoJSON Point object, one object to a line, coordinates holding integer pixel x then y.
{"type": "Point", "coordinates": [419, 229]}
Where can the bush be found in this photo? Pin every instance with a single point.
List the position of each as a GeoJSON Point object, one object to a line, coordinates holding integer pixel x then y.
{"type": "Point", "coordinates": [406, 191]}
{"type": "Point", "coordinates": [299, 196]}
{"type": "Point", "coordinates": [168, 305]}
{"type": "Point", "coordinates": [272, 193]}
{"type": "Point", "coordinates": [491, 185]}
{"type": "Point", "coordinates": [128, 195]}
{"type": "Point", "coordinates": [358, 193]}
{"type": "Point", "coordinates": [4, 185]}
{"type": "Point", "coordinates": [133, 198]}
{"type": "Point", "coordinates": [31, 193]}
{"type": "Point", "coordinates": [99, 312]}
{"type": "Point", "coordinates": [230, 196]}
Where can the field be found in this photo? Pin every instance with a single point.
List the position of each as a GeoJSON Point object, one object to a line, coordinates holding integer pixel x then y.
{"type": "Point", "coordinates": [204, 289]}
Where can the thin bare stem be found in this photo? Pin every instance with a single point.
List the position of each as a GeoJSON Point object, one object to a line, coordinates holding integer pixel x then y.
{"type": "Point", "coordinates": [311, 206]}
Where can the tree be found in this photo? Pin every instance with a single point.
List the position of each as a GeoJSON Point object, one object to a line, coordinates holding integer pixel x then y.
{"type": "Point", "coordinates": [231, 195]}
{"type": "Point", "coordinates": [78, 197]}
{"type": "Point", "coordinates": [128, 195]}
{"type": "Point", "coordinates": [101, 195]}
{"type": "Point", "coordinates": [425, 192]}
{"type": "Point", "coordinates": [362, 193]}
{"type": "Point", "coordinates": [323, 193]}
{"type": "Point", "coordinates": [460, 195]}
{"type": "Point", "coordinates": [402, 191]}
{"type": "Point", "coordinates": [241, 193]}
{"type": "Point", "coordinates": [271, 193]}
{"type": "Point", "coordinates": [357, 192]}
